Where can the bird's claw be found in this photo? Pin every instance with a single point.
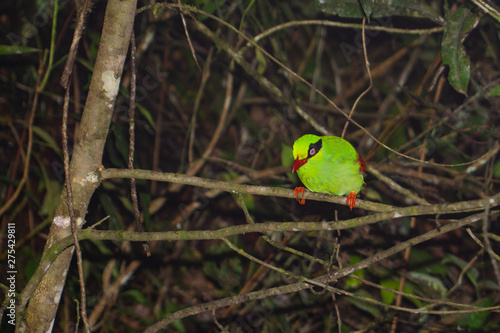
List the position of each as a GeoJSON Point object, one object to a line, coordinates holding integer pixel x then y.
{"type": "Point", "coordinates": [299, 190]}
{"type": "Point", "coordinates": [351, 200]}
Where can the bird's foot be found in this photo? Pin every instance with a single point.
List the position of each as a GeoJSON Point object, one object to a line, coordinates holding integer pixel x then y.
{"type": "Point", "coordinates": [299, 190]}
{"type": "Point", "coordinates": [351, 200]}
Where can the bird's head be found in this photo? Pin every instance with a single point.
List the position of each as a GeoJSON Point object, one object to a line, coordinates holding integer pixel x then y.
{"type": "Point", "coordinates": [305, 148]}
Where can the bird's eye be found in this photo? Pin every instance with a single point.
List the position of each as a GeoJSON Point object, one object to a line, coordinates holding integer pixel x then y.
{"type": "Point", "coordinates": [314, 148]}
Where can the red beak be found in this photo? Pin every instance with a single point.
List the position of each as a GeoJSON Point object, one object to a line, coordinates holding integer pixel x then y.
{"type": "Point", "coordinates": [298, 163]}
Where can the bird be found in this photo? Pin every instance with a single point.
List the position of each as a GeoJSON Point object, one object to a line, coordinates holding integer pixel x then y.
{"type": "Point", "coordinates": [328, 164]}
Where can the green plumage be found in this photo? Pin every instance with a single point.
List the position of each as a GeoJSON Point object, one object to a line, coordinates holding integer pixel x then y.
{"type": "Point", "coordinates": [335, 167]}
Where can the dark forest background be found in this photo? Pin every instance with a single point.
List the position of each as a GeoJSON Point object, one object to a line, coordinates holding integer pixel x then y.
{"type": "Point", "coordinates": [212, 103]}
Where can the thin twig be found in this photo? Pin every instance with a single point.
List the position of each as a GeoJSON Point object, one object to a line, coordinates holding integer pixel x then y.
{"type": "Point", "coordinates": [318, 72]}
{"type": "Point", "coordinates": [294, 287]}
{"type": "Point", "coordinates": [112, 290]}
{"type": "Point", "coordinates": [487, 8]}
{"type": "Point", "coordinates": [214, 318]}
{"type": "Point", "coordinates": [337, 311]}
{"type": "Point", "coordinates": [80, 24]}
{"type": "Point", "coordinates": [189, 38]}
{"type": "Point", "coordinates": [52, 46]}
{"type": "Point", "coordinates": [262, 269]}
{"type": "Point", "coordinates": [330, 23]}
{"type": "Point", "coordinates": [280, 246]}
{"type": "Point", "coordinates": [198, 164]}
{"type": "Point", "coordinates": [288, 193]}
{"type": "Point", "coordinates": [231, 187]}
{"type": "Point", "coordinates": [464, 270]}
{"type": "Point", "coordinates": [396, 187]}
{"type": "Point", "coordinates": [122, 235]}
{"type": "Point", "coordinates": [406, 258]}
{"type": "Point", "coordinates": [487, 243]}
{"type": "Point", "coordinates": [205, 75]}
{"type": "Point", "coordinates": [368, 72]}
{"type": "Point", "coordinates": [131, 150]}
{"type": "Point", "coordinates": [20, 155]}
{"type": "Point", "coordinates": [391, 98]}
{"type": "Point", "coordinates": [24, 178]}
{"type": "Point", "coordinates": [272, 88]}
{"type": "Point", "coordinates": [478, 242]}
{"type": "Point", "coordinates": [241, 252]}
{"type": "Point", "coordinates": [261, 227]}
{"type": "Point", "coordinates": [159, 127]}
{"type": "Point", "coordinates": [71, 208]}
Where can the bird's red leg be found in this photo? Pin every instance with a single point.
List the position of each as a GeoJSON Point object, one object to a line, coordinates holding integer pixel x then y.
{"type": "Point", "coordinates": [351, 200]}
{"type": "Point", "coordinates": [299, 190]}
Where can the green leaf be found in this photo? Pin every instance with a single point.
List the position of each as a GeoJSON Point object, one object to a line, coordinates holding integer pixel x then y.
{"type": "Point", "coordinates": [379, 8]}
{"type": "Point", "coordinates": [101, 246]}
{"type": "Point", "coordinates": [127, 203]}
{"type": "Point", "coordinates": [429, 281]}
{"type": "Point", "coordinates": [171, 308]}
{"type": "Point", "coordinates": [113, 155]}
{"type": "Point", "coordinates": [280, 322]}
{"type": "Point", "coordinates": [372, 194]}
{"type": "Point", "coordinates": [496, 170]}
{"type": "Point", "coordinates": [115, 219]}
{"type": "Point", "coordinates": [388, 296]}
{"type": "Point", "coordinates": [51, 198]}
{"type": "Point", "coordinates": [477, 320]}
{"type": "Point", "coordinates": [261, 61]}
{"type": "Point", "coordinates": [364, 305]}
{"type": "Point", "coordinates": [53, 189]}
{"type": "Point", "coordinates": [472, 273]}
{"type": "Point", "coordinates": [458, 25]}
{"type": "Point", "coordinates": [342, 8]}
{"type": "Point", "coordinates": [47, 139]}
{"type": "Point", "coordinates": [85, 63]}
{"type": "Point", "coordinates": [155, 10]}
{"type": "Point", "coordinates": [145, 112]}
{"type": "Point", "coordinates": [144, 200]}
{"type": "Point", "coordinates": [13, 49]}
{"type": "Point", "coordinates": [179, 326]}
{"type": "Point", "coordinates": [488, 284]}
{"type": "Point", "coordinates": [494, 92]}
{"type": "Point", "coordinates": [227, 273]}
{"type": "Point", "coordinates": [117, 146]}
{"type": "Point", "coordinates": [121, 142]}
{"type": "Point", "coordinates": [248, 199]}
{"type": "Point", "coordinates": [351, 282]}
{"type": "Point", "coordinates": [136, 296]}
{"type": "Point", "coordinates": [206, 6]}
{"type": "Point", "coordinates": [367, 6]}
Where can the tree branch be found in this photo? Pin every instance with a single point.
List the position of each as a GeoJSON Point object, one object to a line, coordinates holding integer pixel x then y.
{"type": "Point", "coordinates": [391, 211]}
{"type": "Point", "coordinates": [325, 280]}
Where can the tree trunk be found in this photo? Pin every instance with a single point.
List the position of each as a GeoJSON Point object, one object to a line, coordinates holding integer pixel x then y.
{"type": "Point", "coordinates": [86, 159]}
